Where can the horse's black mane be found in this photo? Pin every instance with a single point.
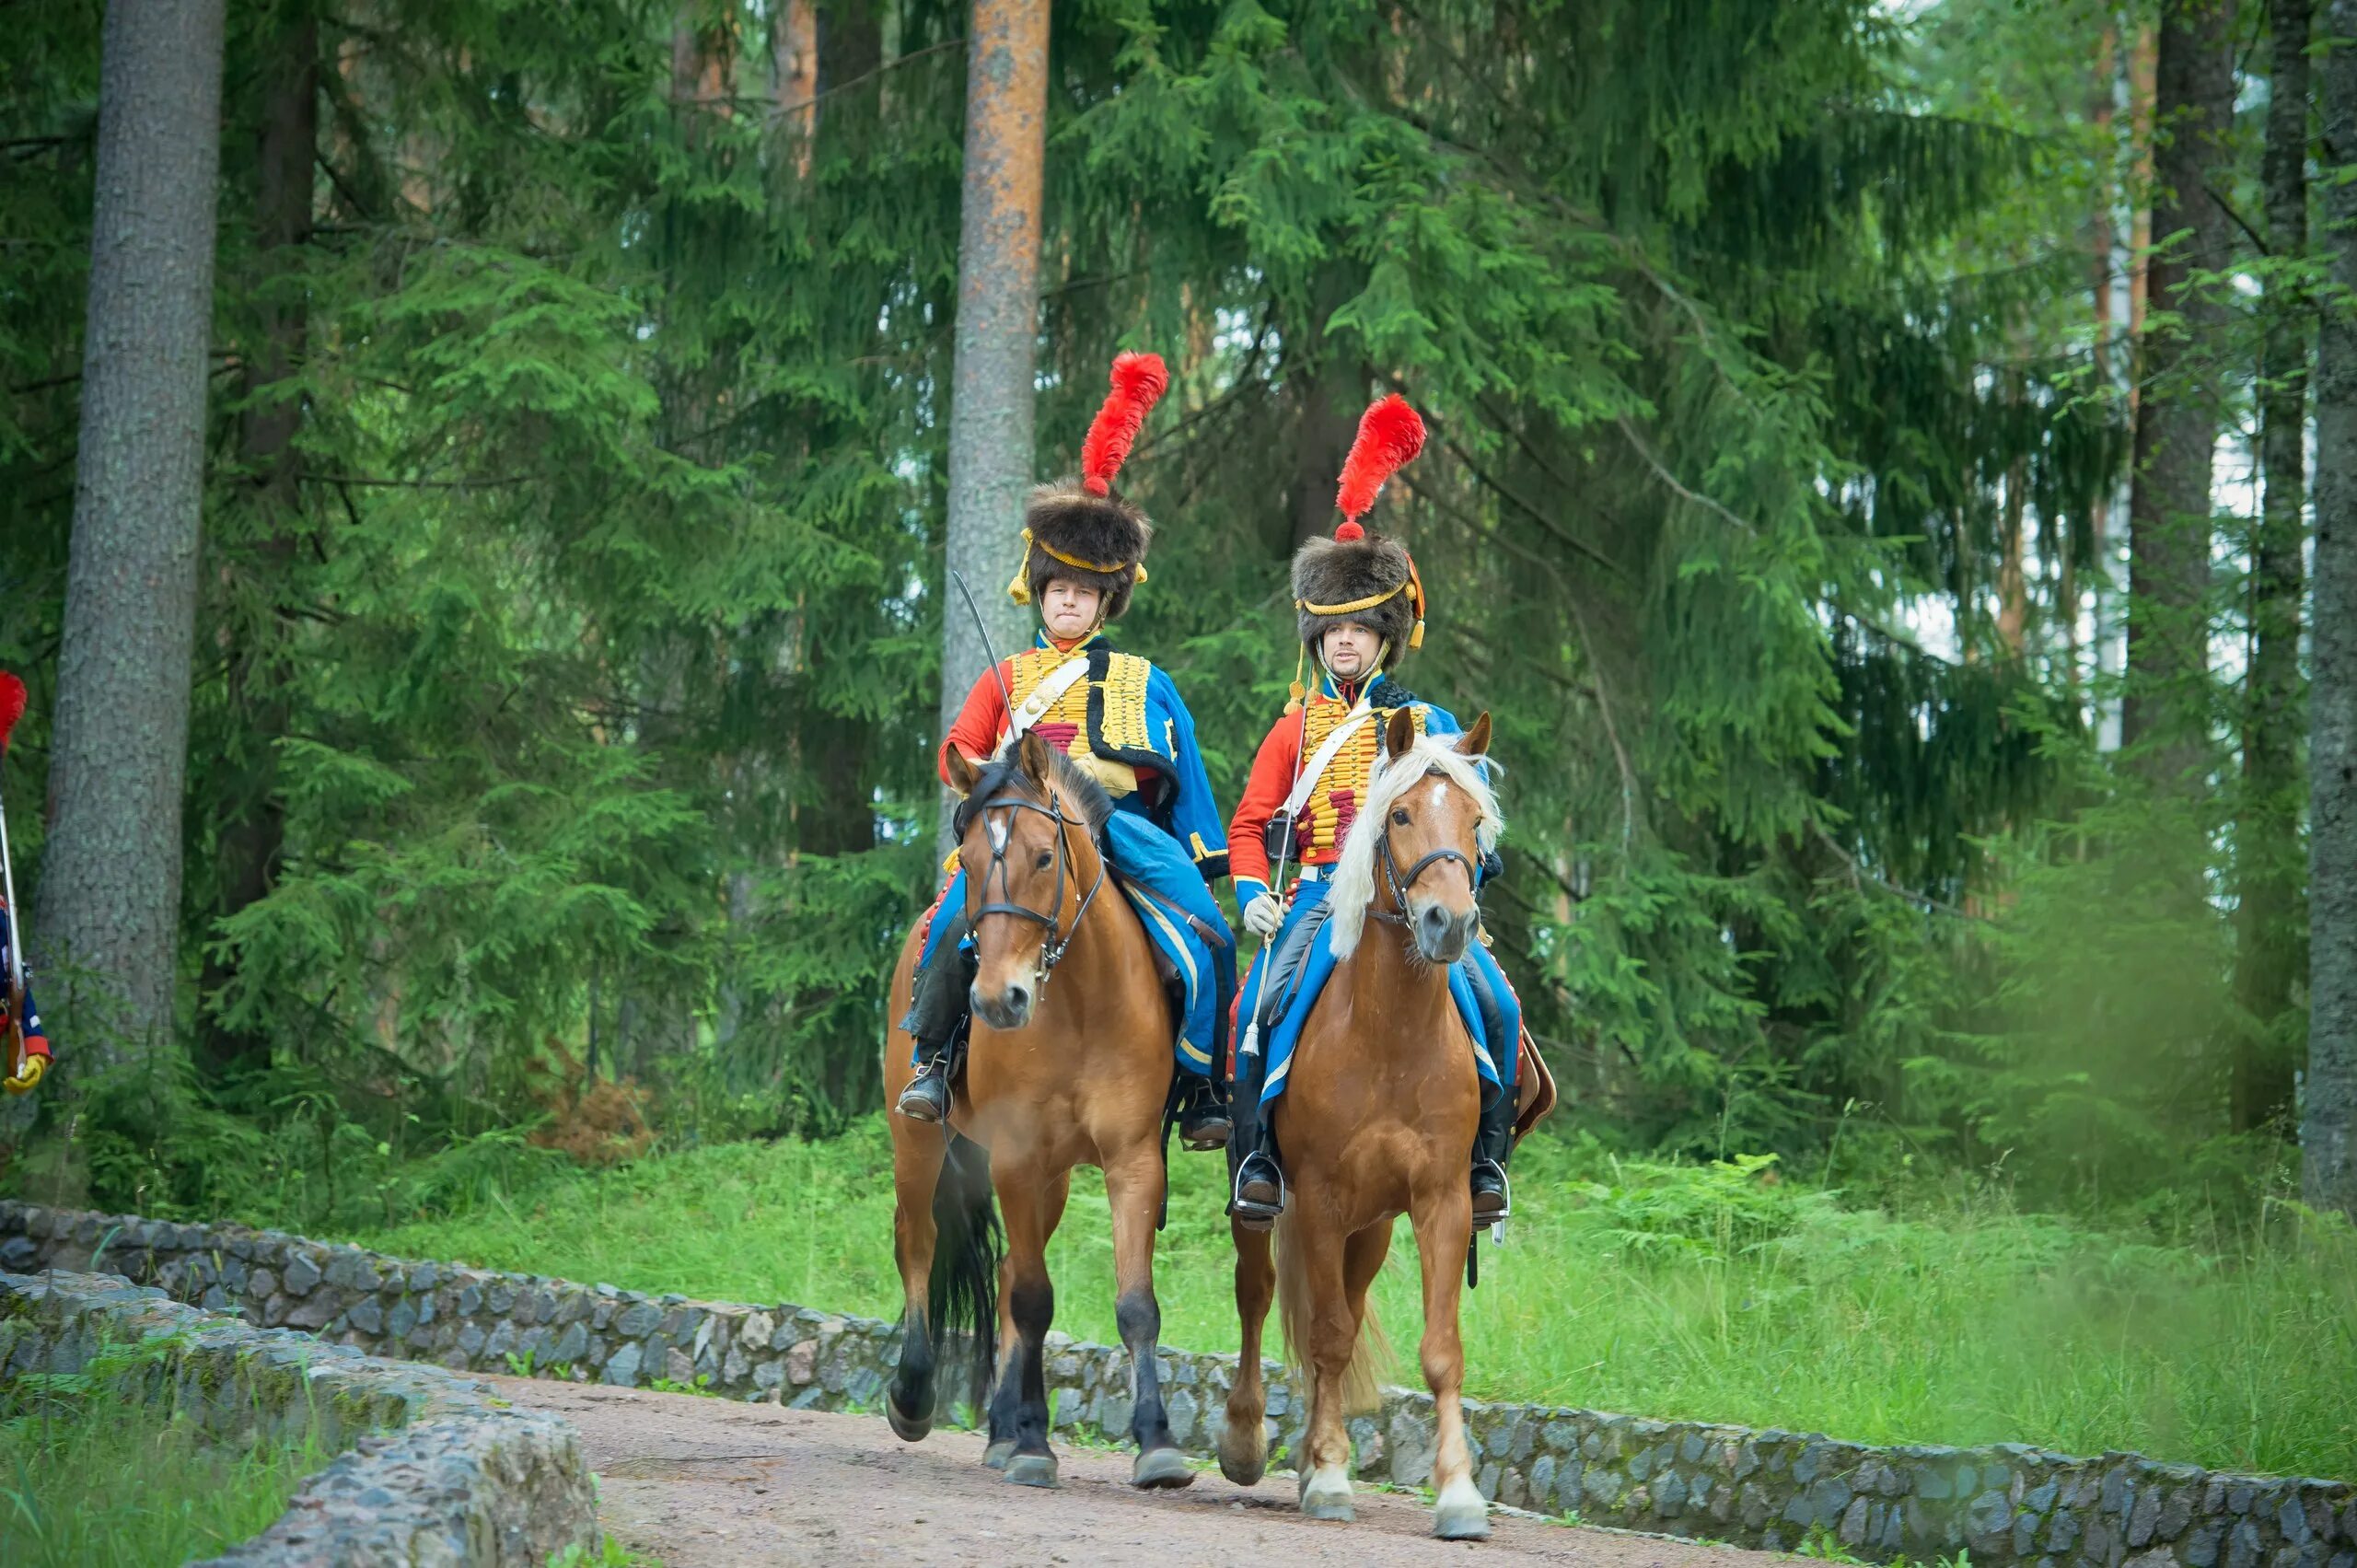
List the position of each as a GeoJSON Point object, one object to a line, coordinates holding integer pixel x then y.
{"type": "Point", "coordinates": [1077, 783]}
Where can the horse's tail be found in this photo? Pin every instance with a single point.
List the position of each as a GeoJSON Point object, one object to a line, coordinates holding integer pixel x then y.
{"type": "Point", "coordinates": [1369, 1357]}
{"type": "Point", "coordinates": [962, 1292]}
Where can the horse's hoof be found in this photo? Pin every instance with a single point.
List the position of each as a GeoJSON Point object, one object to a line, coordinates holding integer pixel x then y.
{"type": "Point", "coordinates": [1461, 1524]}
{"type": "Point", "coordinates": [1460, 1514]}
{"type": "Point", "coordinates": [1163, 1468]}
{"type": "Point", "coordinates": [908, 1428]}
{"type": "Point", "coordinates": [1242, 1469]}
{"type": "Point", "coordinates": [1032, 1470]}
{"type": "Point", "coordinates": [994, 1458]}
{"type": "Point", "coordinates": [1325, 1500]}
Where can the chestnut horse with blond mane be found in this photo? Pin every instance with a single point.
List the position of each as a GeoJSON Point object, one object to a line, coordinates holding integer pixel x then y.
{"type": "Point", "coordinates": [1376, 1120]}
{"type": "Point", "coordinates": [1057, 1076]}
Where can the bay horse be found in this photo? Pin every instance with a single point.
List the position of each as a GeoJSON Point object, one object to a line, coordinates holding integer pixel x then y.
{"type": "Point", "coordinates": [1077, 1073]}
{"type": "Point", "coordinates": [1376, 1120]}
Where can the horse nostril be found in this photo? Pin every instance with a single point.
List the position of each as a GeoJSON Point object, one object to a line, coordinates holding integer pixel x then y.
{"type": "Point", "coordinates": [1018, 997]}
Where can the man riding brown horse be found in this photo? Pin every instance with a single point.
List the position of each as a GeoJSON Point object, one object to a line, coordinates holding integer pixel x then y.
{"type": "Point", "coordinates": [1359, 609]}
{"type": "Point", "coordinates": [1081, 782]}
{"type": "Point", "coordinates": [1121, 719]}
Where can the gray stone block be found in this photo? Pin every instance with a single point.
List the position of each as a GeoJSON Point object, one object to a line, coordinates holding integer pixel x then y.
{"type": "Point", "coordinates": [2244, 1546]}
{"type": "Point", "coordinates": [351, 1270]}
{"type": "Point", "coordinates": [621, 1367]}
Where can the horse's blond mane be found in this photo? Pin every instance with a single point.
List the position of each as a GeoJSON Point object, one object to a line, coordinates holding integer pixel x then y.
{"type": "Point", "coordinates": [1352, 890]}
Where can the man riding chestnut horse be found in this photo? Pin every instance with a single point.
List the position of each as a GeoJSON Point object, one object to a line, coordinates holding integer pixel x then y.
{"type": "Point", "coordinates": [1358, 607]}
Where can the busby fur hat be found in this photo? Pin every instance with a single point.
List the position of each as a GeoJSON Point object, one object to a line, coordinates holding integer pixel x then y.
{"type": "Point", "coordinates": [1077, 528]}
{"type": "Point", "coordinates": [1357, 575]}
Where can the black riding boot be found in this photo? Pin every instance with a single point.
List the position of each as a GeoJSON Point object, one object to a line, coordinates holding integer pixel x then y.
{"type": "Point", "coordinates": [1257, 1195]}
{"type": "Point", "coordinates": [936, 1013]}
{"type": "Point", "coordinates": [1493, 1143]}
{"type": "Point", "coordinates": [1202, 1121]}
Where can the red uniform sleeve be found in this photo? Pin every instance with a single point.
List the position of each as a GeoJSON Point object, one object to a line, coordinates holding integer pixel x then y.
{"type": "Point", "coordinates": [1264, 795]}
{"type": "Point", "coordinates": [980, 721]}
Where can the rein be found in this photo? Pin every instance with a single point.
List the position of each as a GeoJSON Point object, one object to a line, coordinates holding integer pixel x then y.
{"type": "Point", "coordinates": [1059, 938]}
{"type": "Point", "coordinates": [1400, 882]}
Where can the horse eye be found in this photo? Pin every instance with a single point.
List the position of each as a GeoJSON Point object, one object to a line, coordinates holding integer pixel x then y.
{"type": "Point", "coordinates": [1398, 818]}
{"type": "Point", "coordinates": [1047, 858]}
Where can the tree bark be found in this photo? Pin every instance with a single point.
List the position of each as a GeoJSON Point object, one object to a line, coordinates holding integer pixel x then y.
{"type": "Point", "coordinates": [2266, 951]}
{"type": "Point", "coordinates": [793, 76]}
{"type": "Point", "coordinates": [2101, 234]}
{"type": "Point", "coordinates": [254, 822]}
{"type": "Point", "coordinates": [998, 294]}
{"type": "Point", "coordinates": [2165, 712]}
{"type": "Point", "coordinates": [1331, 387]}
{"type": "Point", "coordinates": [110, 878]}
{"type": "Point", "coordinates": [2329, 1120]}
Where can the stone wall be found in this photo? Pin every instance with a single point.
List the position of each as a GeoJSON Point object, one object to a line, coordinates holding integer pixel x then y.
{"type": "Point", "coordinates": [2008, 1503]}
{"type": "Point", "coordinates": [433, 1469]}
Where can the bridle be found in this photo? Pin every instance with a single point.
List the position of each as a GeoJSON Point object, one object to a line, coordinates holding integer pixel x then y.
{"type": "Point", "coordinates": [1000, 834]}
{"type": "Point", "coordinates": [1399, 882]}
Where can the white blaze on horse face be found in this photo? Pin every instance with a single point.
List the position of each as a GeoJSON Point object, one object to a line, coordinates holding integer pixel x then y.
{"type": "Point", "coordinates": [1440, 794]}
{"type": "Point", "coordinates": [996, 828]}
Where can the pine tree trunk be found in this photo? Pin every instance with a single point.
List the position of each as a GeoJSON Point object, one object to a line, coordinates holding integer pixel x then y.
{"type": "Point", "coordinates": [110, 878]}
{"type": "Point", "coordinates": [998, 313]}
{"type": "Point", "coordinates": [793, 76]}
{"type": "Point", "coordinates": [2328, 1119]}
{"type": "Point", "coordinates": [2267, 953]}
{"type": "Point", "coordinates": [2012, 573]}
{"type": "Point", "coordinates": [253, 828]}
{"type": "Point", "coordinates": [1331, 387]}
{"type": "Point", "coordinates": [2164, 710]}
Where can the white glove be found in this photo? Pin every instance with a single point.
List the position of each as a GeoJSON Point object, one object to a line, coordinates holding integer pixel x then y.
{"type": "Point", "coordinates": [1263, 915]}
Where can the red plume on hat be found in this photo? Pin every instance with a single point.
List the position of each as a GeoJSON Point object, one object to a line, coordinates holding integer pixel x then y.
{"type": "Point", "coordinates": [12, 706]}
{"type": "Point", "coordinates": [1391, 434]}
{"type": "Point", "coordinates": [1139, 381]}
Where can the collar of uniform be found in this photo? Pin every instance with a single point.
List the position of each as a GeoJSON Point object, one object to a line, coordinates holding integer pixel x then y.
{"type": "Point", "coordinates": [1040, 639]}
{"type": "Point", "coordinates": [1350, 692]}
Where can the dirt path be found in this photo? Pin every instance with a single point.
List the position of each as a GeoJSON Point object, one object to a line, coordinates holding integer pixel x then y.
{"type": "Point", "coordinates": [700, 1483]}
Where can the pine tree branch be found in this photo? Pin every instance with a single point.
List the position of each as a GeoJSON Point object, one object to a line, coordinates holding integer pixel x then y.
{"type": "Point", "coordinates": [1594, 670]}
{"type": "Point", "coordinates": [1669, 479]}
{"type": "Point", "coordinates": [366, 481]}
{"type": "Point", "coordinates": [2228, 208]}
{"type": "Point", "coordinates": [775, 111]}
{"type": "Point", "coordinates": [1859, 875]}
{"type": "Point", "coordinates": [1870, 622]}
{"type": "Point", "coordinates": [1553, 529]}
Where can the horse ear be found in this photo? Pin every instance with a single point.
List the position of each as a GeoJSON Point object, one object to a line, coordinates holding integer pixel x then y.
{"type": "Point", "coordinates": [962, 773]}
{"type": "Point", "coordinates": [1033, 753]}
{"type": "Point", "coordinates": [1475, 742]}
{"type": "Point", "coordinates": [1399, 733]}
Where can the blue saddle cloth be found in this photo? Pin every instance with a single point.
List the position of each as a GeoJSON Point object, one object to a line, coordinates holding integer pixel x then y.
{"type": "Point", "coordinates": [1278, 1042]}
{"type": "Point", "coordinates": [1166, 890]}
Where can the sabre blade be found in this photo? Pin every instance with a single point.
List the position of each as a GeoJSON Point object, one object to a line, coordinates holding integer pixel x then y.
{"type": "Point", "coordinates": [982, 631]}
{"type": "Point", "coordinates": [16, 918]}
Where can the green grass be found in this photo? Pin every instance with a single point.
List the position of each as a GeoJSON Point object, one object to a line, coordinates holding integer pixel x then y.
{"type": "Point", "coordinates": [87, 1478]}
{"type": "Point", "coordinates": [1675, 1292]}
